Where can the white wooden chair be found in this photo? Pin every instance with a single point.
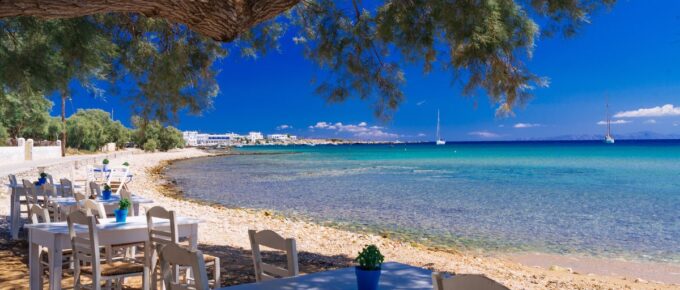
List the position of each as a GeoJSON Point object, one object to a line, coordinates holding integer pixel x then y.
{"type": "Point", "coordinates": [272, 240]}
{"type": "Point", "coordinates": [95, 188]}
{"type": "Point", "coordinates": [159, 237]}
{"type": "Point", "coordinates": [117, 178]}
{"type": "Point", "coordinates": [172, 256]}
{"type": "Point", "coordinates": [464, 282]}
{"type": "Point", "coordinates": [92, 207]}
{"type": "Point", "coordinates": [50, 179]}
{"type": "Point", "coordinates": [67, 188]}
{"type": "Point", "coordinates": [20, 202]}
{"type": "Point", "coordinates": [40, 215]}
{"type": "Point", "coordinates": [86, 250]}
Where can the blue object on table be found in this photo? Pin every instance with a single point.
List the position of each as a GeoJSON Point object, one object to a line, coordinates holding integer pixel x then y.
{"type": "Point", "coordinates": [367, 280]}
{"type": "Point", "coordinates": [42, 180]}
{"type": "Point", "coordinates": [106, 194]}
{"type": "Point", "coordinates": [121, 215]}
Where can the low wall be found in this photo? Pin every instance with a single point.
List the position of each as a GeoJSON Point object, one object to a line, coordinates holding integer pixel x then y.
{"type": "Point", "coordinates": [46, 152]}
{"type": "Point", "coordinates": [11, 154]}
{"type": "Point", "coordinates": [25, 151]}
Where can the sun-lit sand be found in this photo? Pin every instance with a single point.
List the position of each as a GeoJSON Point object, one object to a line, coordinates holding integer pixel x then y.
{"type": "Point", "coordinates": [224, 233]}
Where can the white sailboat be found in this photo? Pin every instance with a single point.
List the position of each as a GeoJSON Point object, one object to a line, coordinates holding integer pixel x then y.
{"type": "Point", "coordinates": [439, 141]}
{"type": "Point", "coordinates": [608, 138]}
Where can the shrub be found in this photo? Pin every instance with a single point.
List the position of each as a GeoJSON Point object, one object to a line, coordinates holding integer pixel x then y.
{"type": "Point", "coordinates": [150, 145]}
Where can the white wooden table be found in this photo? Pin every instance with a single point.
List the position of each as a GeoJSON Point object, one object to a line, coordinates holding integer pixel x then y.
{"type": "Point", "coordinates": [394, 276]}
{"type": "Point", "coordinates": [55, 237]}
{"type": "Point", "coordinates": [15, 207]}
{"type": "Point", "coordinates": [66, 204]}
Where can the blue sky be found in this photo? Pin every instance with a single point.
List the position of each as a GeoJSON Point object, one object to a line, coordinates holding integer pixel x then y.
{"type": "Point", "coordinates": [630, 54]}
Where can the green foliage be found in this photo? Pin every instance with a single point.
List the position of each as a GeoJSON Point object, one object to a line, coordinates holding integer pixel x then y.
{"type": "Point", "coordinates": [150, 145]}
{"type": "Point", "coordinates": [159, 137]}
{"type": "Point", "coordinates": [92, 129]}
{"type": "Point", "coordinates": [3, 135]}
{"type": "Point", "coordinates": [126, 163]}
{"type": "Point", "coordinates": [25, 114]}
{"type": "Point", "coordinates": [105, 161]}
{"type": "Point", "coordinates": [124, 204]}
{"type": "Point", "coordinates": [369, 258]}
{"type": "Point", "coordinates": [107, 187]}
{"type": "Point", "coordinates": [43, 175]}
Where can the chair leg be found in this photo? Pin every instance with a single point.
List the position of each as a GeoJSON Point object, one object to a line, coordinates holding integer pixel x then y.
{"type": "Point", "coordinates": [217, 273]}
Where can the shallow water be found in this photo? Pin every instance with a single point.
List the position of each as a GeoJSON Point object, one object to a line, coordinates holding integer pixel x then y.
{"type": "Point", "coordinates": [619, 200]}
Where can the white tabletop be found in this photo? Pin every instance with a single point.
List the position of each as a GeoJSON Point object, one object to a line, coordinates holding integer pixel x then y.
{"type": "Point", "coordinates": [115, 199]}
{"type": "Point", "coordinates": [109, 224]}
{"type": "Point", "coordinates": [394, 276]}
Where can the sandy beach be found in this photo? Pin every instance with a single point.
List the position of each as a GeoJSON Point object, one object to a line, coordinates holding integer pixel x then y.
{"type": "Point", "coordinates": [224, 233]}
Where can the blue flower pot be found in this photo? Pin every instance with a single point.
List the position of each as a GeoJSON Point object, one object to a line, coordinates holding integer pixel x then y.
{"type": "Point", "coordinates": [106, 194]}
{"type": "Point", "coordinates": [121, 215]}
{"type": "Point", "coordinates": [367, 280]}
{"type": "Point", "coordinates": [42, 180]}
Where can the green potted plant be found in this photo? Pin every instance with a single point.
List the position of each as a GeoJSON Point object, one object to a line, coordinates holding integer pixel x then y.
{"type": "Point", "coordinates": [126, 164]}
{"type": "Point", "coordinates": [43, 178]}
{"type": "Point", "coordinates": [106, 193]}
{"type": "Point", "coordinates": [122, 211]}
{"type": "Point", "coordinates": [368, 271]}
{"type": "Point", "coordinates": [105, 162]}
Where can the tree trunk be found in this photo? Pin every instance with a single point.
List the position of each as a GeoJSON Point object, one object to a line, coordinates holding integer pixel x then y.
{"type": "Point", "coordinates": [222, 20]}
{"type": "Point", "coordinates": [63, 123]}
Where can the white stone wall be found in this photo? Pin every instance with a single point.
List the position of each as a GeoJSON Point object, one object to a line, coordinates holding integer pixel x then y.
{"type": "Point", "coordinates": [18, 153]}
{"type": "Point", "coordinates": [11, 154]}
{"type": "Point", "coordinates": [46, 152]}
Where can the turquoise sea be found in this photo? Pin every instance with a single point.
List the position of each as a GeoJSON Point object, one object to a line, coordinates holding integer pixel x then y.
{"type": "Point", "coordinates": [620, 200]}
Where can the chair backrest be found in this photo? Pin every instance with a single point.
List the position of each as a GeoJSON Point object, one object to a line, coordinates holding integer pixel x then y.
{"type": "Point", "coordinates": [79, 196]}
{"type": "Point", "coordinates": [91, 205]}
{"type": "Point", "coordinates": [85, 247]}
{"type": "Point", "coordinates": [66, 187]}
{"type": "Point", "coordinates": [465, 282]}
{"type": "Point", "coordinates": [30, 191]}
{"type": "Point", "coordinates": [13, 180]}
{"type": "Point", "coordinates": [95, 188]}
{"type": "Point", "coordinates": [38, 214]}
{"type": "Point", "coordinates": [161, 235]}
{"type": "Point", "coordinates": [173, 255]}
{"type": "Point", "coordinates": [50, 179]}
{"type": "Point", "coordinates": [125, 193]}
{"type": "Point", "coordinates": [118, 174]}
{"type": "Point", "coordinates": [272, 240]}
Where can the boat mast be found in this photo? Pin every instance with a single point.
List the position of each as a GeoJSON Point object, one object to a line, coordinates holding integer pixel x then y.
{"type": "Point", "coordinates": [438, 125]}
{"type": "Point", "coordinates": [608, 120]}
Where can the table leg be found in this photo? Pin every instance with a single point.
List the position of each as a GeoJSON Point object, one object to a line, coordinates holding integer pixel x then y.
{"type": "Point", "coordinates": [135, 209]}
{"type": "Point", "coordinates": [55, 259]}
{"type": "Point", "coordinates": [34, 263]}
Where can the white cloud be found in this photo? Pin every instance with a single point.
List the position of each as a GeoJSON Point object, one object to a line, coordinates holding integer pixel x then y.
{"type": "Point", "coordinates": [284, 127]}
{"type": "Point", "coordinates": [420, 103]}
{"type": "Point", "coordinates": [615, 122]}
{"type": "Point", "coordinates": [361, 130]}
{"type": "Point", "coordinates": [662, 111]}
{"type": "Point", "coordinates": [421, 135]}
{"type": "Point", "coordinates": [484, 134]}
{"type": "Point", "coordinates": [525, 125]}
{"type": "Point", "coordinates": [501, 126]}
{"type": "Point", "coordinates": [650, 121]}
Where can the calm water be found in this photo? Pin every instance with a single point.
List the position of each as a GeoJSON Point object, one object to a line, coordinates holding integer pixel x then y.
{"type": "Point", "coordinates": [619, 200]}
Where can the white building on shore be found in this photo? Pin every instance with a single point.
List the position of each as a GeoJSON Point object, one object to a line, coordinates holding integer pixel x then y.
{"type": "Point", "coordinates": [281, 137]}
{"type": "Point", "coordinates": [253, 137]}
{"type": "Point", "coordinates": [193, 138]}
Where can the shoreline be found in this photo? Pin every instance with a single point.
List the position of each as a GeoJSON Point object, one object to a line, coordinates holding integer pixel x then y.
{"type": "Point", "coordinates": [578, 264]}
{"type": "Point", "coordinates": [224, 234]}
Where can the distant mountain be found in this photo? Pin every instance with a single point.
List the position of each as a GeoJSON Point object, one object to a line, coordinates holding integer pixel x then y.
{"type": "Point", "coordinates": [630, 136]}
